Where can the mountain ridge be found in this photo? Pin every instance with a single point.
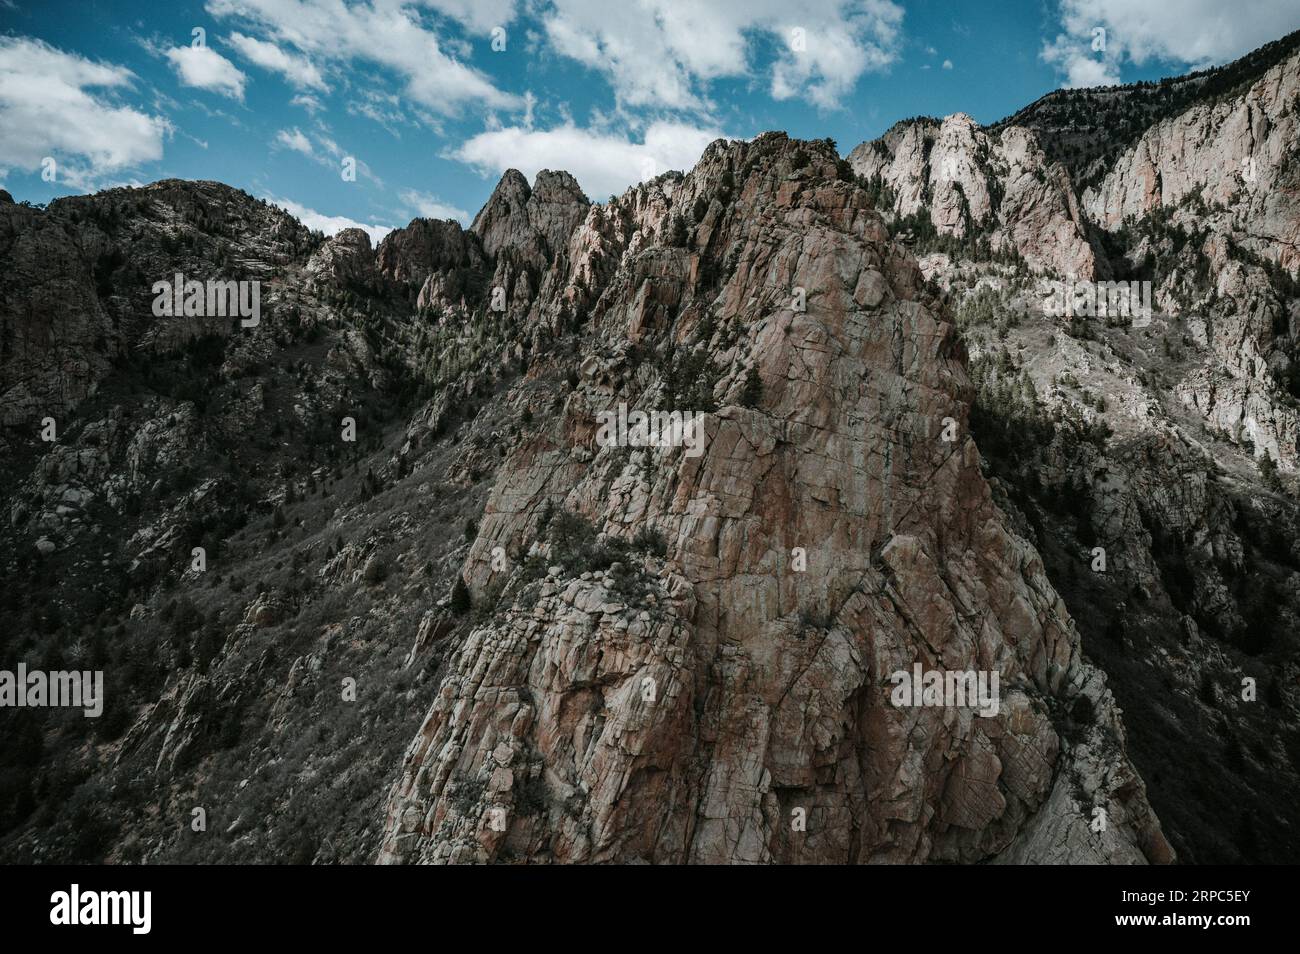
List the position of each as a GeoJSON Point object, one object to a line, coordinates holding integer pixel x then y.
{"type": "Point", "coordinates": [499, 585]}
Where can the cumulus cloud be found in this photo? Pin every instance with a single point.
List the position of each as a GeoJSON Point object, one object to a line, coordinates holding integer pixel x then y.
{"type": "Point", "coordinates": [431, 207]}
{"type": "Point", "coordinates": [389, 34]}
{"type": "Point", "coordinates": [205, 68]}
{"type": "Point", "coordinates": [47, 109]}
{"type": "Point", "coordinates": [1098, 36]}
{"type": "Point", "coordinates": [604, 163]}
{"type": "Point", "coordinates": [298, 70]}
{"type": "Point", "coordinates": [665, 52]}
{"type": "Point", "coordinates": [329, 224]}
{"type": "Point", "coordinates": [1080, 66]}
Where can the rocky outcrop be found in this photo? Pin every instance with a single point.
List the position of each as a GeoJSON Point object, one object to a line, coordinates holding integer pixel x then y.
{"type": "Point", "coordinates": [532, 224]}
{"type": "Point", "coordinates": [968, 181]}
{"type": "Point", "coordinates": [1041, 218]}
{"type": "Point", "coordinates": [720, 703]}
{"type": "Point", "coordinates": [426, 246]}
{"type": "Point", "coordinates": [345, 259]}
{"type": "Point", "coordinates": [1238, 153]}
{"type": "Point", "coordinates": [524, 230]}
{"type": "Point", "coordinates": [512, 242]}
{"type": "Point", "coordinates": [1221, 177]}
{"type": "Point", "coordinates": [76, 291]}
{"type": "Point", "coordinates": [436, 259]}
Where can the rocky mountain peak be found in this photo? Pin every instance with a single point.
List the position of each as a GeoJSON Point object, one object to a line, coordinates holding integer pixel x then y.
{"type": "Point", "coordinates": [505, 214]}
{"type": "Point", "coordinates": [766, 680]}
{"type": "Point", "coordinates": [531, 223]}
{"type": "Point", "coordinates": [557, 186]}
{"type": "Point", "coordinates": [345, 259]}
{"type": "Point", "coordinates": [555, 208]}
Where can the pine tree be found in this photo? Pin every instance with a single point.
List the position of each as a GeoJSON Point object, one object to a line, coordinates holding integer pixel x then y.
{"type": "Point", "coordinates": [460, 598]}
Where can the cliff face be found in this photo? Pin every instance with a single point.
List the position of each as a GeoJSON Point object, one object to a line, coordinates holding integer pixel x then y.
{"type": "Point", "coordinates": [1237, 154]}
{"type": "Point", "coordinates": [443, 617]}
{"type": "Point", "coordinates": [1203, 206]}
{"type": "Point", "coordinates": [686, 705]}
{"type": "Point", "coordinates": [1225, 174]}
{"type": "Point", "coordinates": [71, 301]}
{"type": "Point", "coordinates": [1153, 445]}
{"type": "Point", "coordinates": [971, 182]}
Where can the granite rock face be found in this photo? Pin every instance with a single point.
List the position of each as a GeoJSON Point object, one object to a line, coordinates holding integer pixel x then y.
{"type": "Point", "coordinates": [969, 181]}
{"type": "Point", "coordinates": [76, 290]}
{"type": "Point", "coordinates": [345, 259]}
{"type": "Point", "coordinates": [1225, 174]}
{"type": "Point", "coordinates": [715, 703]}
{"type": "Point", "coordinates": [533, 223]}
{"type": "Point", "coordinates": [1202, 206]}
{"type": "Point", "coordinates": [1237, 154]}
{"type": "Point", "coordinates": [54, 319]}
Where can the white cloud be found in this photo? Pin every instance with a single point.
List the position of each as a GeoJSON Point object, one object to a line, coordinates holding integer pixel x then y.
{"type": "Point", "coordinates": [385, 110]}
{"type": "Point", "coordinates": [385, 32]}
{"type": "Point", "coordinates": [947, 64]}
{"type": "Point", "coordinates": [46, 110]}
{"type": "Point", "coordinates": [603, 163]}
{"type": "Point", "coordinates": [665, 52]}
{"type": "Point", "coordinates": [478, 15]}
{"type": "Point", "coordinates": [328, 144]}
{"type": "Point", "coordinates": [298, 70]}
{"type": "Point", "coordinates": [322, 149]}
{"type": "Point", "coordinates": [296, 140]}
{"type": "Point", "coordinates": [205, 68]}
{"type": "Point", "coordinates": [1188, 33]}
{"type": "Point", "coordinates": [307, 102]}
{"type": "Point", "coordinates": [1081, 67]}
{"type": "Point", "coordinates": [329, 224]}
{"type": "Point", "coordinates": [431, 207]}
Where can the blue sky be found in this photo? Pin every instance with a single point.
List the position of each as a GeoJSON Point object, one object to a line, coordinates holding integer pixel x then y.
{"type": "Point", "coordinates": [433, 99]}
